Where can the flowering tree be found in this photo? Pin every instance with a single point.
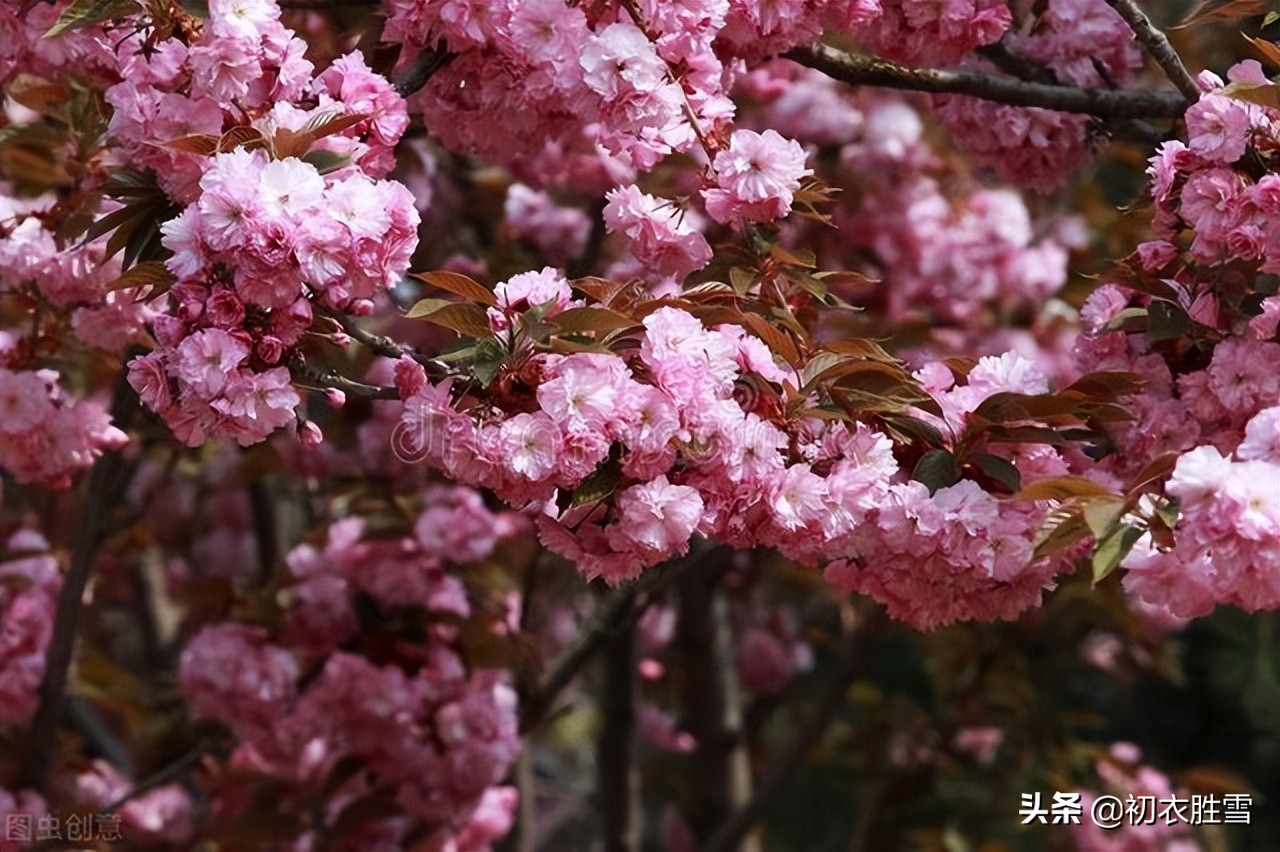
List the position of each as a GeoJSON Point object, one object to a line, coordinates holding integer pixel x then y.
{"type": "Point", "coordinates": [381, 382]}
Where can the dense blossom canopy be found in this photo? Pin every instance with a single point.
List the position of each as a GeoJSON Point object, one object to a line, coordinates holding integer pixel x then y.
{"type": "Point", "coordinates": [676, 284]}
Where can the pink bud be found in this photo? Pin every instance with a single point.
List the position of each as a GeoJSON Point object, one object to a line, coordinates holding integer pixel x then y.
{"type": "Point", "coordinates": [360, 308]}
{"type": "Point", "coordinates": [271, 349]}
{"type": "Point", "coordinates": [336, 397]}
{"type": "Point", "coordinates": [410, 377]}
{"type": "Point", "coordinates": [309, 434]}
{"type": "Point", "coordinates": [301, 310]}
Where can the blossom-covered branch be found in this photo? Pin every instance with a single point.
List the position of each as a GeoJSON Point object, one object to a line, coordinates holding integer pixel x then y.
{"type": "Point", "coordinates": [865, 70]}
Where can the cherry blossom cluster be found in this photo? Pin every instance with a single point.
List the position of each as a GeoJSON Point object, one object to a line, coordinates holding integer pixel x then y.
{"type": "Point", "coordinates": [559, 233]}
{"type": "Point", "coordinates": [162, 817]}
{"type": "Point", "coordinates": [72, 276]}
{"type": "Point", "coordinates": [929, 32]}
{"type": "Point", "coordinates": [1228, 544]}
{"type": "Point", "coordinates": [1123, 774]}
{"type": "Point", "coordinates": [455, 527]}
{"type": "Point", "coordinates": [694, 454]}
{"type": "Point", "coordinates": [378, 714]}
{"type": "Point", "coordinates": [46, 435]}
{"type": "Point", "coordinates": [578, 87]}
{"type": "Point", "coordinates": [428, 729]}
{"type": "Point", "coordinates": [29, 586]}
{"type": "Point", "coordinates": [1205, 185]}
{"type": "Point", "coordinates": [977, 549]}
{"type": "Point", "coordinates": [25, 49]}
{"type": "Point", "coordinates": [1205, 344]}
{"type": "Point", "coordinates": [1078, 43]}
{"type": "Point", "coordinates": [947, 251]}
{"type": "Point", "coordinates": [262, 239]}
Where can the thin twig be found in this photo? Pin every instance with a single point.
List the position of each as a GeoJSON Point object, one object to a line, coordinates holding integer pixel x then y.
{"type": "Point", "coordinates": [106, 483]}
{"type": "Point", "coordinates": [1157, 44]}
{"type": "Point", "coordinates": [165, 774]}
{"type": "Point", "coordinates": [424, 66]}
{"type": "Point", "coordinates": [82, 714]}
{"type": "Point", "coordinates": [861, 69]}
{"type": "Point", "coordinates": [617, 612]}
{"type": "Point", "coordinates": [853, 654]}
{"type": "Point", "coordinates": [380, 344]}
{"type": "Point", "coordinates": [309, 376]}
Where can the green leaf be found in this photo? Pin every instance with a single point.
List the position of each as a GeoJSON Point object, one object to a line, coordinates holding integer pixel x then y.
{"type": "Point", "coordinates": [489, 359]}
{"type": "Point", "coordinates": [602, 482]}
{"type": "Point", "coordinates": [1114, 548]}
{"type": "Point", "coordinates": [936, 469]}
{"type": "Point", "coordinates": [1061, 528]}
{"type": "Point", "coordinates": [741, 279]}
{"type": "Point", "coordinates": [326, 161]}
{"type": "Point", "coordinates": [1102, 515]}
{"type": "Point", "coordinates": [803, 258]}
{"type": "Point", "coordinates": [1266, 94]}
{"type": "Point", "coordinates": [1126, 319]}
{"type": "Point", "coordinates": [1001, 470]}
{"type": "Point", "coordinates": [86, 13]}
{"type": "Point", "coordinates": [425, 307]}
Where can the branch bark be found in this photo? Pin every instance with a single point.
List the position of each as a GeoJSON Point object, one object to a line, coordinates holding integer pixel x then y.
{"type": "Point", "coordinates": [309, 376]}
{"type": "Point", "coordinates": [617, 612]}
{"type": "Point", "coordinates": [106, 483]}
{"type": "Point", "coordinates": [713, 715]}
{"type": "Point", "coordinates": [380, 344]}
{"type": "Point", "coordinates": [854, 651]}
{"type": "Point", "coordinates": [423, 67]}
{"type": "Point", "coordinates": [864, 70]}
{"type": "Point", "coordinates": [1157, 44]}
{"type": "Point", "coordinates": [617, 776]}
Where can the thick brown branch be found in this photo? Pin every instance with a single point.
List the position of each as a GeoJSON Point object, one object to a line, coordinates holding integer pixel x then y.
{"type": "Point", "coordinates": [720, 768]}
{"type": "Point", "coordinates": [864, 70]}
{"type": "Point", "coordinates": [1157, 44]}
{"type": "Point", "coordinates": [617, 775]}
{"type": "Point", "coordinates": [106, 484]}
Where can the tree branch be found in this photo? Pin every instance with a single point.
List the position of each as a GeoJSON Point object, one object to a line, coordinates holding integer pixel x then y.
{"type": "Point", "coordinates": [617, 612]}
{"type": "Point", "coordinates": [101, 496]}
{"type": "Point", "coordinates": [308, 376]}
{"type": "Point", "coordinates": [721, 771]}
{"type": "Point", "coordinates": [1157, 44]}
{"type": "Point", "coordinates": [380, 344]}
{"type": "Point", "coordinates": [617, 776]}
{"type": "Point", "coordinates": [861, 69]}
{"type": "Point", "coordinates": [424, 66]}
{"type": "Point", "coordinates": [852, 655]}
